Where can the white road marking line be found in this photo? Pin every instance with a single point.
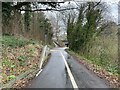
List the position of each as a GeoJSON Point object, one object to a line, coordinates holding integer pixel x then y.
{"type": "Point", "coordinates": [39, 72]}
{"type": "Point", "coordinates": [54, 50]}
{"type": "Point", "coordinates": [55, 44]}
{"type": "Point", "coordinates": [70, 74]}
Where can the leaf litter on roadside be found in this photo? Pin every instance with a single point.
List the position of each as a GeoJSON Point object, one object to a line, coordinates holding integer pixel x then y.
{"type": "Point", "coordinates": [16, 61]}
{"type": "Point", "coordinates": [112, 79]}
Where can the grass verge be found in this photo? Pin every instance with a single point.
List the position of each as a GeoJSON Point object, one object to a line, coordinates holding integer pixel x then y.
{"type": "Point", "coordinates": [112, 79]}
{"type": "Point", "coordinates": [18, 56]}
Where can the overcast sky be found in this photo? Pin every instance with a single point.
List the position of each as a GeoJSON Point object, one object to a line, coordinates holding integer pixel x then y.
{"type": "Point", "coordinates": [113, 10]}
{"type": "Point", "coordinates": [112, 4]}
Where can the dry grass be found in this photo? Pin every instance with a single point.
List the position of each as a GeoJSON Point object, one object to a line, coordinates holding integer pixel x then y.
{"type": "Point", "coordinates": [104, 51]}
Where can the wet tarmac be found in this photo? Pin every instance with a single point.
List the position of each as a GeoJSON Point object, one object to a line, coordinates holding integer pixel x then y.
{"type": "Point", "coordinates": [54, 75]}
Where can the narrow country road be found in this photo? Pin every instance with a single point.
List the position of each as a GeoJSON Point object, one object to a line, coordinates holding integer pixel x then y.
{"type": "Point", "coordinates": [55, 74]}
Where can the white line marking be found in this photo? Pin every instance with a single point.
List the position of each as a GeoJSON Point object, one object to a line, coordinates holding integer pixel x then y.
{"type": "Point", "coordinates": [70, 74]}
{"type": "Point", "coordinates": [39, 72]}
{"type": "Point", "coordinates": [54, 50]}
{"type": "Point", "coordinates": [55, 44]}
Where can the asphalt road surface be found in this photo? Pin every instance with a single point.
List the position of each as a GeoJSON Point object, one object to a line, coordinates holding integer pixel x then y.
{"type": "Point", "coordinates": [55, 74]}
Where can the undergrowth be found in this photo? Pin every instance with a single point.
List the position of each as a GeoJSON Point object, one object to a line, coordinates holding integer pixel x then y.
{"type": "Point", "coordinates": [15, 42]}
{"type": "Point", "coordinates": [18, 56]}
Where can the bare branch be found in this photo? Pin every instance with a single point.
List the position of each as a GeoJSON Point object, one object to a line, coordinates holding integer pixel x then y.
{"type": "Point", "coordinates": [97, 4]}
{"type": "Point", "coordinates": [47, 9]}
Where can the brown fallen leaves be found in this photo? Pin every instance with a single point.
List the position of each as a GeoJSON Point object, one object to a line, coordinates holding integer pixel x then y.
{"type": "Point", "coordinates": [113, 80]}
{"type": "Point", "coordinates": [22, 83]}
{"type": "Point", "coordinates": [16, 61]}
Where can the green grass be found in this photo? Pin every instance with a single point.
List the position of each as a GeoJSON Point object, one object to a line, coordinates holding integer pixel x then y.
{"type": "Point", "coordinates": [104, 53]}
{"type": "Point", "coordinates": [15, 42]}
{"type": "Point", "coordinates": [106, 64]}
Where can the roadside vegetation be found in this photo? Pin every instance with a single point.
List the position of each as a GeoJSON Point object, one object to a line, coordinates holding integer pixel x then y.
{"type": "Point", "coordinates": [30, 25]}
{"type": "Point", "coordinates": [23, 36]}
{"type": "Point", "coordinates": [104, 50]}
{"type": "Point", "coordinates": [91, 37]}
{"type": "Point", "coordinates": [18, 56]}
